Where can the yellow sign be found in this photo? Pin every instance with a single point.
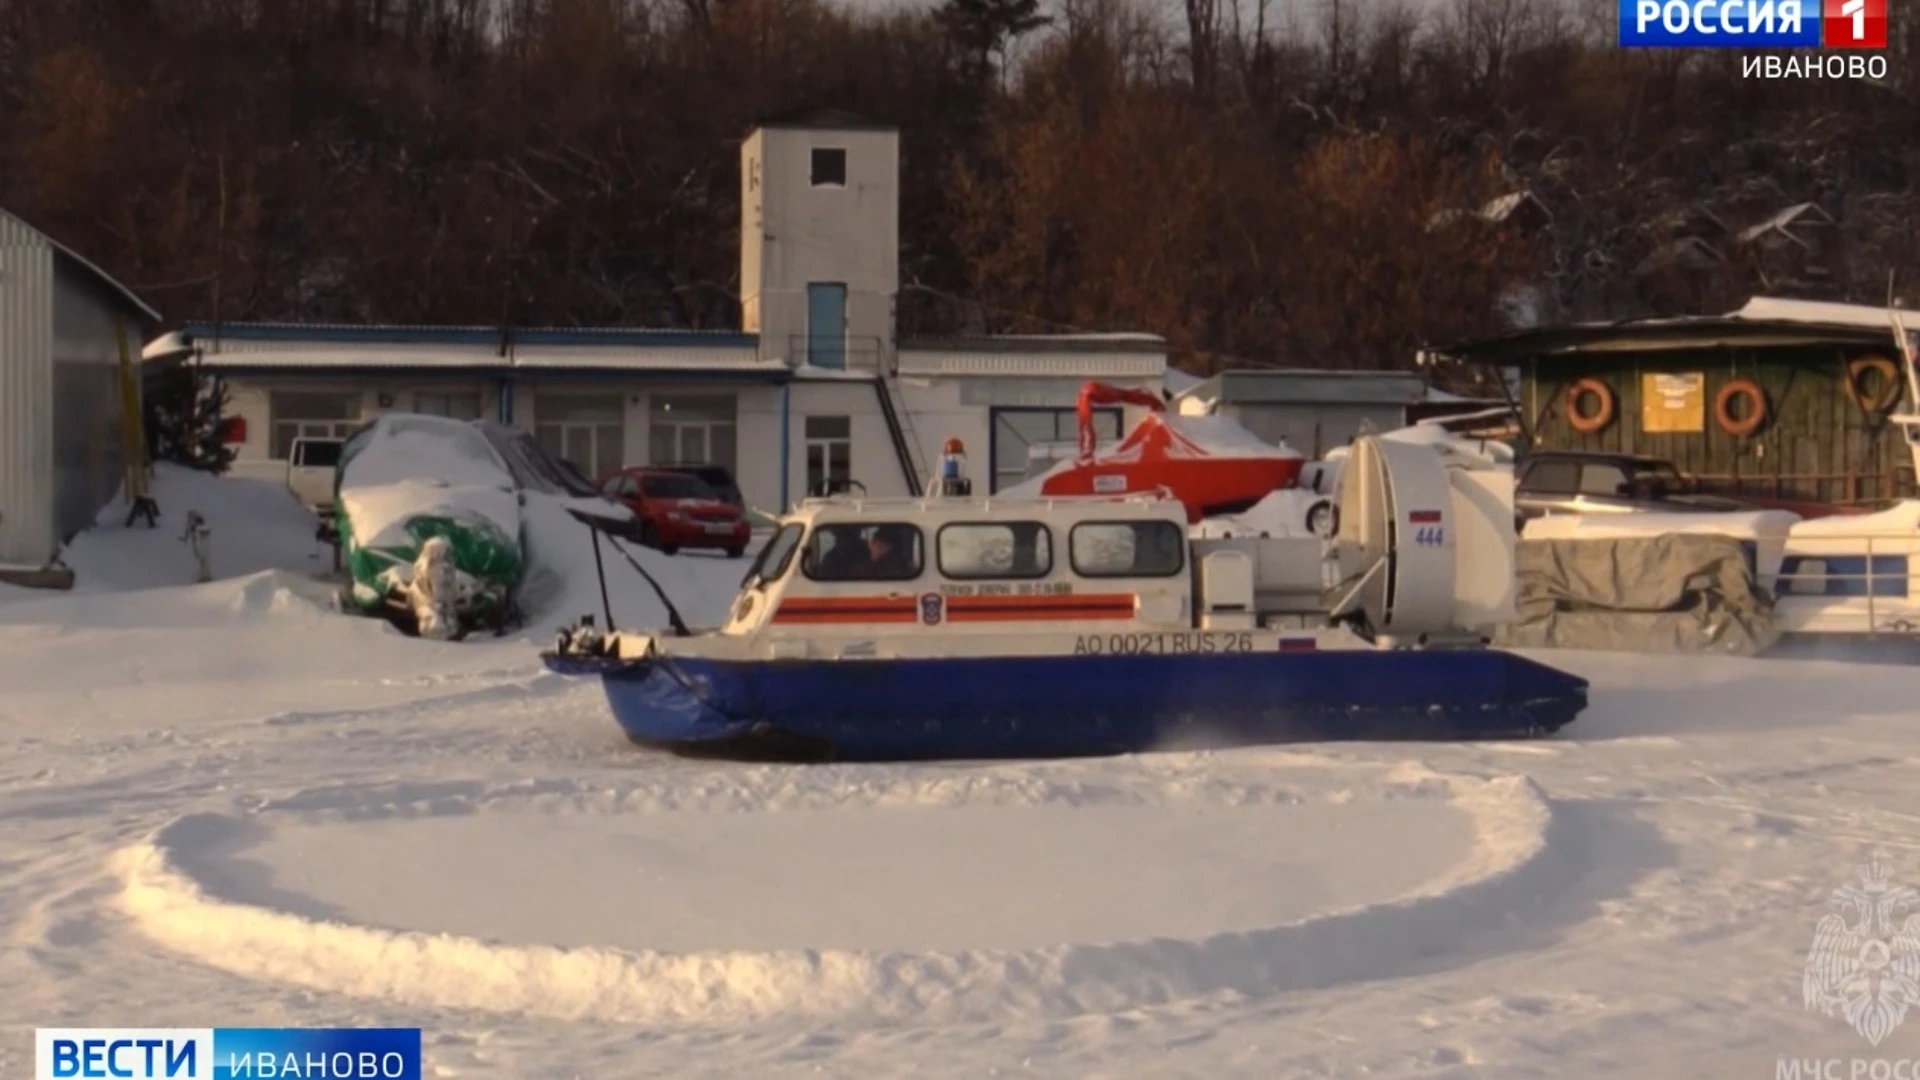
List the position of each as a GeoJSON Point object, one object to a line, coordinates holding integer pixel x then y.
{"type": "Point", "coordinates": [1673, 403]}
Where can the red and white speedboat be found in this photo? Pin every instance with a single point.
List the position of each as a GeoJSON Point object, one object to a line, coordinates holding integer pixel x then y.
{"type": "Point", "coordinates": [1212, 465]}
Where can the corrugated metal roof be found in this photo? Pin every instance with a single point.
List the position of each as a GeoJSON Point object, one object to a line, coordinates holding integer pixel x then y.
{"type": "Point", "coordinates": [239, 335]}
{"type": "Point", "coordinates": [327, 347]}
{"type": "Point", "coordinates": [1029, 343]}
{"type": "Point", "coordinates": [1311, 386]}
{"type": "Point", "coordinates": [1762, 321]}
{"type": "Point", "coordinates": [81, 263]}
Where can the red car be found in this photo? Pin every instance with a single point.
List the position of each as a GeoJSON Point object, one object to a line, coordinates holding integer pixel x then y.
{"type": "Point", "coordinates": [679, 511]}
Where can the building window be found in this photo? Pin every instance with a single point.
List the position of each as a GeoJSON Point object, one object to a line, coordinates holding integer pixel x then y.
{"type": "Point", "coordinates": [312, 414]}
{"type": "Point", "coordinates": [829, 166]}
{"type": "Point", "coordinates": [1028, 441]}
{"type": "Point", "coordinates": [829, 454]}
{"type": "Point", "coordinates": [451, 406]}
{"type": "Point", "coordinates": [1017, 549]}
{"type": "Point", "coordinates": [693, 429]}
{"type": "Point", "coordinates": [589, 430]}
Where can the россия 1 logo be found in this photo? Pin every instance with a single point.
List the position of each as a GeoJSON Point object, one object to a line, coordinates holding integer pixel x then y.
{"type": "Point", "coordinates": [1753, 24]}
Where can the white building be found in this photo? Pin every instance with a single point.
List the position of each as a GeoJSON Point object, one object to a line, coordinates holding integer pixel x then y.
{"type": "Point", "coordinates": [815, 386]}
{"type": "Point", "coordinates": [64, 328]}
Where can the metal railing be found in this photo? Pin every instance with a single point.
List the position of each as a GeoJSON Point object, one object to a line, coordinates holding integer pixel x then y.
{"type": "Point", "coordinates": [846, 354]}
{"type": "Point", "coordinates": [1896, 577]}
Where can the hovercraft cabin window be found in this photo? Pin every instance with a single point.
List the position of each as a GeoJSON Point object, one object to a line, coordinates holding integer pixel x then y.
{"type": "Point", "coordinates": [857, 552]}
{"type": "Point", "coordinates": [772, 562]}
{"type": "Point", "coordinates": [1013, 549]}
{"type": "Point", "coordinates": [1127, 549]}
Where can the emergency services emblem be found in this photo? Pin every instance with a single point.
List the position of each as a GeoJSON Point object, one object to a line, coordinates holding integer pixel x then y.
{"type": "Point", "coordinates": [1865, 960]}
{"type": "Point", "coordinates": [931, 606]}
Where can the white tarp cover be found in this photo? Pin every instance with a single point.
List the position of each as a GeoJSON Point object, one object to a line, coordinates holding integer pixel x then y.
{"type": "Point", "coordinates": [425, 465]}
{"type": "Point", "coordinates": [1669, 593]}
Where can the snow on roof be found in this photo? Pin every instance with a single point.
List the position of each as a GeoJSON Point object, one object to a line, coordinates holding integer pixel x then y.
{"type": "Point", "coordinates": [1764, 320]}
{"type": "Point", "coordinates": [256, 346]}
{"type": "Point", "coordinates": [1814, 312]}
{"type": "Point", "coordinates": [1115, 342]}
{"type": "Point", "coordinates": [292, 346]}
{"type": "Point", "coordinates": [1312, 386]}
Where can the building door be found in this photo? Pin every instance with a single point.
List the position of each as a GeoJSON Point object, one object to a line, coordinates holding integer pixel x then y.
{"type": "Point", "coordinates": [827, 325]}
{"type": "Point", "coordinates": [1025, 442]}
{"type": "Point", "coordinates": [589, 430]}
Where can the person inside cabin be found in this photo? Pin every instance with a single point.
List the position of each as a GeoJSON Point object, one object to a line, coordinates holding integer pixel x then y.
{"type": "Point", "coordinates": [889, 552]}
{"type": "Point", "coordinates": [887, 555]}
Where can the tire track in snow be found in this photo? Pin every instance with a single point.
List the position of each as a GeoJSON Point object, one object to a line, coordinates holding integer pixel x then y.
{"type": "Point", "coordinates": [1512, 864]}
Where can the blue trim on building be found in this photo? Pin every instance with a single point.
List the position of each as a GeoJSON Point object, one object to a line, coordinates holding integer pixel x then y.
{"type": "Point", "coordinates": [493, 338]}
{"type": "Point", "coordinates": [786, 444]}
{"type": "Point", "coordinates": [507, 374]}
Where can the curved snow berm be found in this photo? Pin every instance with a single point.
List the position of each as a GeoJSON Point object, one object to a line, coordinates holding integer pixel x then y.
{"type": "Point", "coordinates": [1083, 705]}
{"type": "Point", "coordinates": [1508, 868]}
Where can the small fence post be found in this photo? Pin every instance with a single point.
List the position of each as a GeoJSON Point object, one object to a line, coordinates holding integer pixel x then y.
{"type": "Point", "coordinates": [1873, 621]}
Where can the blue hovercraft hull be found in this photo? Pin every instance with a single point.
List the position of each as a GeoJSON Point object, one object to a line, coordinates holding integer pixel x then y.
{"type": "Point", "coordinates": [1076, 706]}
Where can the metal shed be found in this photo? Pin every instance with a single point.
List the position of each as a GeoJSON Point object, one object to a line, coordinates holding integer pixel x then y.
{"type": "Point", "coordinates": [63, 324]}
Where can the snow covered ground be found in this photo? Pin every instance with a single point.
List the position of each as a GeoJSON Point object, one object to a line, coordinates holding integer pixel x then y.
{"type": "Point", "coordinates": [224, 804]}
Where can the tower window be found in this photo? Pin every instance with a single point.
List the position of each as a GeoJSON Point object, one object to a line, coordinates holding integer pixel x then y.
{"type": "Point", "coordinates": [829, 166]}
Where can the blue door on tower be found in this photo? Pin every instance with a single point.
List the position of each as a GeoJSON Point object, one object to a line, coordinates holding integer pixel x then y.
{"type": "Point", "coordinates": [827, 325]}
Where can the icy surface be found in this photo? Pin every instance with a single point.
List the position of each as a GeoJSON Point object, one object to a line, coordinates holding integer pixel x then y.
{"type": "Point", "coordinates": [225, 804]}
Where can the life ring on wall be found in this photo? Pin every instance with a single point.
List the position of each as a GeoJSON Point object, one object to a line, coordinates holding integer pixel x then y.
{"type": "Point", "coordinates": [1756, 408]}
{"type": "Point", "coordinates": [1589, 422]}
{"type": "Point", "coordinates": [1889, 391]}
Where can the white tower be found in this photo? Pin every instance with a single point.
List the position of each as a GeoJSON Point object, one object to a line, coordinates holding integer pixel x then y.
{"type": "Point", "coordinates": [820, 239]}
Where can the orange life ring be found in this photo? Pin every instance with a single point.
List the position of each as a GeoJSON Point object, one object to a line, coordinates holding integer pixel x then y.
{"type": "Point", "coordinates": [1889, 383]}
{"type": "Point", "coordinates": [1756, 408]}
{"type": "Point", "coordinates": [1584, 422]}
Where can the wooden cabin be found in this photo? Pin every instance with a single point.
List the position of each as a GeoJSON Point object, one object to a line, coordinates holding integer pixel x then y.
{"type": "Point", "coordinates": [1785, 399]}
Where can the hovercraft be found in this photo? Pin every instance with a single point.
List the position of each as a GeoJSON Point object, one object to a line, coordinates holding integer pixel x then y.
{"type": "Point", "coordinates": [960, 627]}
